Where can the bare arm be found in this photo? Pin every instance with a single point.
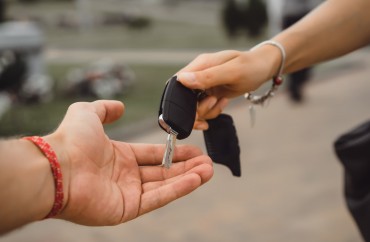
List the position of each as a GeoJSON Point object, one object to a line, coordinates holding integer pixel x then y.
{"type": "Point", "coordinates": [26, 184]}
{"type": "Point", "coordinates": [335, 28]}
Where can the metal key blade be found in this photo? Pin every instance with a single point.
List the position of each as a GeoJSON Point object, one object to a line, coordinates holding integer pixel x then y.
{"type": "Point", "coordinates": [170, 149]}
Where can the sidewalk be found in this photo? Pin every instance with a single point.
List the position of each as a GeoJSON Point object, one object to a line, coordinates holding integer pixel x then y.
{"type": "Point", "coordinates": [291, 184]}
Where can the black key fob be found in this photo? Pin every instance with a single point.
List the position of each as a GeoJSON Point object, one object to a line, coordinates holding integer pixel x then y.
{"type": "Point", "coordinates": [222, 143]}
{"type": "Point", "coordinates": [178, 108]}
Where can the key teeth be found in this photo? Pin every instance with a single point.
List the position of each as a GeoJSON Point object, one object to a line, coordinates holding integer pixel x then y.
{"type": "Point", "coordinates": [166, 163]}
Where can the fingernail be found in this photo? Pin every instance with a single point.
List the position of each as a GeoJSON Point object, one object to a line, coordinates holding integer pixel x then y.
{"type": "Point", "coordinates": [187, 76]}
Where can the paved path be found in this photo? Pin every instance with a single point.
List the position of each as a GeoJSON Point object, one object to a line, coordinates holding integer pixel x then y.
{"type": "Point", "coordinates": [290, 190]}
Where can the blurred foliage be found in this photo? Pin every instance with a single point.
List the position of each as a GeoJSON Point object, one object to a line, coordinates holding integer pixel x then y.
{"type": "Point", "coordinates": [141, 103]}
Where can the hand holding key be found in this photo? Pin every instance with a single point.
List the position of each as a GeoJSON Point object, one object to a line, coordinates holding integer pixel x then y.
{"type": "Point", "coordinates": [227, 74]}
{"type": "Point", "coordinates": [177, 116]}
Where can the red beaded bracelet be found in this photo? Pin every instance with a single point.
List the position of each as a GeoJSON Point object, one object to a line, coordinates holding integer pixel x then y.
{"type": "Point", "coordinates": [55, 169]}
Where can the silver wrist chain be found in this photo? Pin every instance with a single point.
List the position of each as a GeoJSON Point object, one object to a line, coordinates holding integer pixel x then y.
{"type": "Point", "coordinates": [277, 80]}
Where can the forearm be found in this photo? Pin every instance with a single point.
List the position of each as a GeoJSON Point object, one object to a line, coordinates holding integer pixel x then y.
{"type": "Point", "coordinates": [335, 28]}
{"type": "Point", "coordinates": [26, 184]}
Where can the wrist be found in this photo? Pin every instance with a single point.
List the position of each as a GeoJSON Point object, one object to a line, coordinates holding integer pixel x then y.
{"type": "Point", "coordinates": [44, 186]}
{"type": "Point", "coordinates": [273, 60]}
{"type": "Point", "coordinates": [55, 140]}
{"type": "Point", "coordinates": [26, 184]}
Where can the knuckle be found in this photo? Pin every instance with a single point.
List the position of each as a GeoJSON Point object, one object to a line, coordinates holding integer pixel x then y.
{"type": "Point", "coordinates": [207, 76]}
{"type": "Point", "coordinates": [203, 56]}
{"type": "Point", "coordinates": [77, 105]}
{"type": "Point", "coordinates": [203, 60]}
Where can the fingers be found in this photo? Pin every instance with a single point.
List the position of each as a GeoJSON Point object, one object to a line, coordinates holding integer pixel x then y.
{"type": "Point", "coordinates": [149, 154]}
{"type": "Point", "coordinates": [225, 74]}
{"type": "Point", "coordinates": [229, 79]}
{"type": "Point", "coordinates": [205, 61]}
{"type": "Point", "coordinates": [203, 71]}
{"type": "Point", "coordinates": [209, 108]}
{"type": "Point", "coordinates": [107, 110]}
{"type": "Point", "coordinates": [201, 125]}
{"type": "Point", "coordinates": [158, 173]}
{"type": "Point", "coordinates": [205, 105]}
{"type": "Point", "coordinates": [173, 189]}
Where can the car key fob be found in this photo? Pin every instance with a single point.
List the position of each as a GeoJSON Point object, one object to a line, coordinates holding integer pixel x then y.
{"type": "Point", "coordinates": [178, 108]}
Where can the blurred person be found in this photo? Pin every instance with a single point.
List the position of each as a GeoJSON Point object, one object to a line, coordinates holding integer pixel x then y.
{"type": "Point", "coordinates": [333, 29]}
{"type": "Point", "coordinates": [78, 174]}
{"type": "Point", "coordinates": [244, 16]}
{"type": "Point", "coordinates": [2, 11]}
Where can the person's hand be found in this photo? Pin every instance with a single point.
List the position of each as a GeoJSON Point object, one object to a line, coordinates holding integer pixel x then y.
{"type": "Point", "coordinates": [225, 75]}
{"type": "Point", "coordinates": [108, 182]}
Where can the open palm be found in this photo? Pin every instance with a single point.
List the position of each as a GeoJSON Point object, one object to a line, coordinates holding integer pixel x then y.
{"type": "Point", "coordinates": [109, 182]}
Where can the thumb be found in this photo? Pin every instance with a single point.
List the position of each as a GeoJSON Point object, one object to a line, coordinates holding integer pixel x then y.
{"type": "Point", "coordinates": [108, 110]}
{"type": "Point", "coordinates": [202, 80]}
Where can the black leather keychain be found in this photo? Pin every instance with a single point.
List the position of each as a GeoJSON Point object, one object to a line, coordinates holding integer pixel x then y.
{"type": "Point", "coordinates": [222, 143]}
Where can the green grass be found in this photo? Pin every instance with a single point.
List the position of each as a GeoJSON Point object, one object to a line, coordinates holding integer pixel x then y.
{"type": "Point", "coordinates": [144, 99]}
{"type": "Point", "coordinates": [141, 103]}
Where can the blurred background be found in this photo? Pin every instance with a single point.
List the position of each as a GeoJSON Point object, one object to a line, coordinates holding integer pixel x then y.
{"type": "Point", "coordinates": [54, 53]}
{"type": "Point", "coordinates": [62, 51]}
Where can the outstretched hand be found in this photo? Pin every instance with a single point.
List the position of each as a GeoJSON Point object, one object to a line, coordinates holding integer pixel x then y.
{"type": "Point", "coordinates": [108, 182]}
